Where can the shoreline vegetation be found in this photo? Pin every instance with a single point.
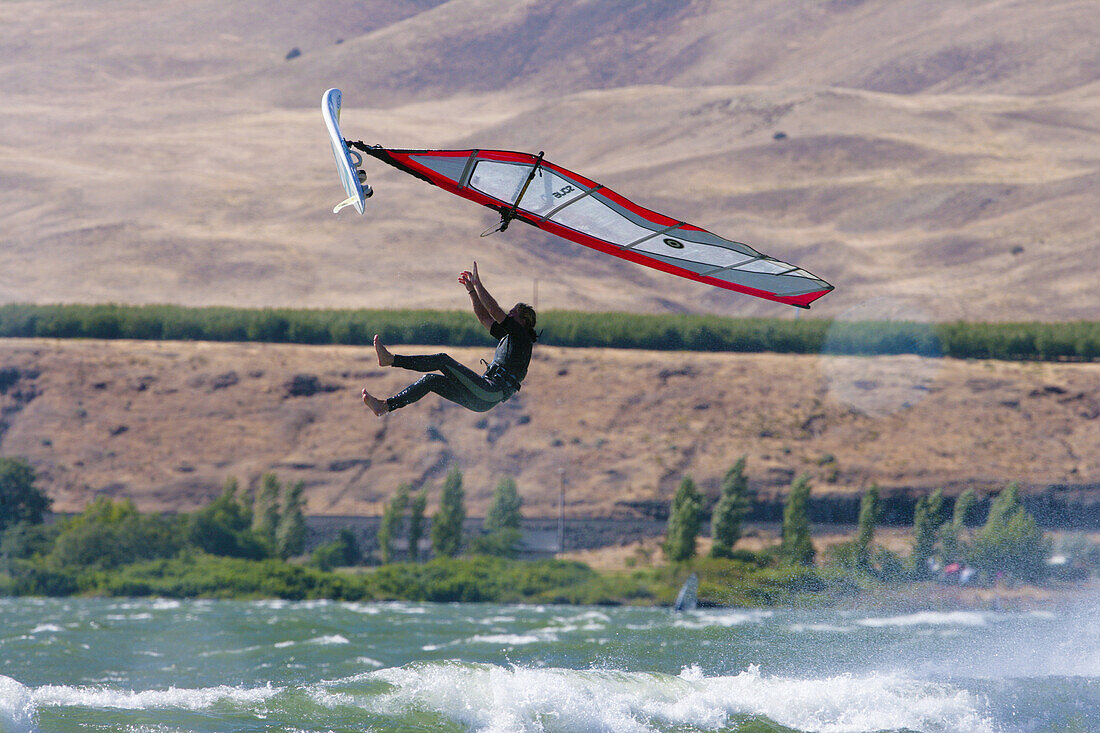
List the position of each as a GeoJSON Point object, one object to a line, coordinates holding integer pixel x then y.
{"type": "Point", "coordinates": [250, 546]}
{"type": "Point", "coordinates": [1030, 341]}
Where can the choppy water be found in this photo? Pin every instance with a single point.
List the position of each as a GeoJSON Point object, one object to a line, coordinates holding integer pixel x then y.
{"type": "Point", "coordinates": [157, 665]}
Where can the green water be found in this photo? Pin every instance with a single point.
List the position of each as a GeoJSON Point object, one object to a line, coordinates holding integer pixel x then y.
{"type": "Point", "coordinates": [157, 665]}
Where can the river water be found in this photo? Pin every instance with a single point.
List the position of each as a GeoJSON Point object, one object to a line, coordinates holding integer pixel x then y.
{"type": "Point", "coordinates": [165, 665]}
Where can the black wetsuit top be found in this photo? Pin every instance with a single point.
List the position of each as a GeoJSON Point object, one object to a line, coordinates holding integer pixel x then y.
{"type": "Point", "coordinates": [514, 350]}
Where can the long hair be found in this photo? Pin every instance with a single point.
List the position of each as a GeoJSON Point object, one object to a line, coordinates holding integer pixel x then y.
{"type": "Point", "coordinates": [528, 318]}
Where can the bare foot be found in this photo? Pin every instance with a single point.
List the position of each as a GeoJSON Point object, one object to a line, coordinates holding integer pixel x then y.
{"type": "Point", "coordinates": [377, 406]}
{"type": "Point", "coordinates": [385, 358]}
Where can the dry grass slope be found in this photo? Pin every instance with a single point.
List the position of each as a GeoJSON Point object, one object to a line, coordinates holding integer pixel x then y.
{"type": "Point", "coordinates": [166, 423]}
{"type": "Point", "coordinates": [939, 152]}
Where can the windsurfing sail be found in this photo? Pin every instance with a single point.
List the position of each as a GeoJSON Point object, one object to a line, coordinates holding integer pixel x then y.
{"type": "Point", "coordinates": [688, 598]}
{"type": "Point", "coordinates": [529, 188]}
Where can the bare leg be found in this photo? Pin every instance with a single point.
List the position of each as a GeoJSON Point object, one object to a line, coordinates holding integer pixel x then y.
{"type": "Point", "coordinates": [385, 358]}
{"type": "Point", "coordinates": [377, 406]}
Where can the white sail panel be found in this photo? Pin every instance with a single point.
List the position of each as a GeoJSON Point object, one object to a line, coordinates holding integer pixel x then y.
{"type": "Point", "coordinates": [703, 254]}
{"type": "Point", "coordinates": [591, 216]}
{"type": "Point", "coordinates": [548, 191]}
{"type": "Point", "coordinates": [502, 181]}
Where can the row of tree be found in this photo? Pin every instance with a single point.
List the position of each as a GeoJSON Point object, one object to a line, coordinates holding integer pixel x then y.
{"type": "Point", "coordinates": [268, 523]}
{"type": "Point", "coordinates": [260, 524]}
{"type": "Point", "coordinates": [1008, 543]}
{"type": "Point", "coordinates": [1072, 340]}
{"type": "Point", "coordinates": [735, 501]}
{"type": "Point", "coordinates": [403, 519]}
{"type": "Point", "coordinates": [685, 518]}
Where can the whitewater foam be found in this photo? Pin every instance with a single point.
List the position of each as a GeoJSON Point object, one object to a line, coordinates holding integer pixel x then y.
{"type": "Point", "coordinates": [142, 604]}
{"type": "Point", "coordinates": [369, 662]}
{"type": "Point", "coordinates": [17, 708]}
{"type": "Point", "coordinates": [319, 641]}
{"type": "Point", "coordinates": [929, 618]}
{"type": "Point", "coordinates": [721, 619]}
{"type": "Point", "coordinates": [173, 697]}
{"type": "Point", "coordinates": [841, 704]}
{"type": "Point", "coordinates": [492, 698]}
{"type": "Point", "coordinates": [507, 639]}
{"type": "Point", "coordinates": [824, 628]}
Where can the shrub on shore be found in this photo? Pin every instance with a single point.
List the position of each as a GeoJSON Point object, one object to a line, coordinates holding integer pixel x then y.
{"type": "Point", "coordinates": [217, 551]}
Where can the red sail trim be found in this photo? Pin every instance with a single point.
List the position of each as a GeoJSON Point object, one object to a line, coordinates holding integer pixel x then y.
{"type": "Point", "coordinates": [403, 159]}
{"type": "Point", "coordinates": [660, 220]}
{"type": "Point", "coordinates": [801, 301]}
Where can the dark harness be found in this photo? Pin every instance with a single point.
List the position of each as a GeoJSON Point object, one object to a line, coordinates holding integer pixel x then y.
{"type": "Point", "coordinates": [503, 378]}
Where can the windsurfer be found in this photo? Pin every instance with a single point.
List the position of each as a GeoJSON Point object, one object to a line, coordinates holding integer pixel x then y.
{"type": "Point", "coordinates": [515, 331]}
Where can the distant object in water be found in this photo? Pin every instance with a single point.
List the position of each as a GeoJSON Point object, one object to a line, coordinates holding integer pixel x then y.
{"type": "Point", "coordinates": [688, 597]}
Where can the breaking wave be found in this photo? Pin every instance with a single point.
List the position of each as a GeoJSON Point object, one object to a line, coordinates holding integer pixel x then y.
{"type": "Point", "coordinates": [493, 698]}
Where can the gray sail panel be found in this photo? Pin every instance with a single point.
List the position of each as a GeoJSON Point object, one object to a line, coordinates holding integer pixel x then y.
{"type": "Point", "coordinates": [781, 285]}
{"type": "Point", "coordinates": [448, 166]}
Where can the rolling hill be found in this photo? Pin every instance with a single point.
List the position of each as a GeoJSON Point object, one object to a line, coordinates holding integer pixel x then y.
{"type": "Point", "coordinates": [940, 153]}
{"type": "Point", "coordinates": [166, 423]}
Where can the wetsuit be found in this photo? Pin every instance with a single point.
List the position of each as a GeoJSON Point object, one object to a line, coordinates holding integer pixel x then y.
{"type": "Point", "coordinates": [464, 386]}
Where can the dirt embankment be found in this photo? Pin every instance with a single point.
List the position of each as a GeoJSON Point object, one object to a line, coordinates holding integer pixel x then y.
{"type": "Point", "coordinates": [166, 423]}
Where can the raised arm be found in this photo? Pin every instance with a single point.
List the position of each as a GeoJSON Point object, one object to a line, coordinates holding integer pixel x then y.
{"type": "Point", "coordinates": [482, 313]}
{"type": "Point", "coordinates": [488, 302]}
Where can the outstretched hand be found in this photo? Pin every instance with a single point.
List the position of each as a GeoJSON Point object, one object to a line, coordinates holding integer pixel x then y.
{"type": "Point", "coordinates": [469, 279]}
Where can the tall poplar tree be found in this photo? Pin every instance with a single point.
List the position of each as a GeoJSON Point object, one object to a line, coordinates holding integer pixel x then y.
{"type": "Point", "coordinates": [869, 511]}
{"type": "Point", "coordinates": [1010, 541]}
{"type": "Point", "coordinates": [502, 522]}
{"type": "Point", "coordinates": [797, 547]}
{"type": "Point", "coordinates": [392, 515]}
{"type": "Point", "coordinates": [417, 505]}
{"type": "Point", "coordinates": [290, 534]}
{"type": "Point", "coordinates": [733, 504]}
{"type": "Point", "coordinates": [684, 521]}
{"type": "Point", "coordinates": [20, 499]}
{"type": "Point", "coordinates": [447, 522]}
{"type": "Point", "coordinates": [951, 534]}
{"type": "Point", "coordinates": [927, 519]}
{"type": "Point", "coordinates": [504, 512]}
{"type": "Point", "coordinates": [265, 508]}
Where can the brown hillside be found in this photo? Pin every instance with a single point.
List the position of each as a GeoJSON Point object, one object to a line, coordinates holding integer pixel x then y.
{"type": "Point", "coordinates": [934, 159]}
{"type": "Point", "coordinates": [167, 423]}
{"type": "Point", "coordinates": [940, 152]}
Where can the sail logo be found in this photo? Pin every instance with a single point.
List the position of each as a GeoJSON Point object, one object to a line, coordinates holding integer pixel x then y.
{"type": "Point", "coordinates": [563, 192]}
{"type": "Point", "coordinates": [674, 243]}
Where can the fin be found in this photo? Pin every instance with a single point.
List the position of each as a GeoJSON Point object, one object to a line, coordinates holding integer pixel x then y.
{"type": "Point", "coordinates": [350, 201]}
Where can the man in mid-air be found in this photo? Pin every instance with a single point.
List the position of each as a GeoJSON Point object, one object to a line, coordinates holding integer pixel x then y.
{"type": "Point", "coordinates": [455, 382]}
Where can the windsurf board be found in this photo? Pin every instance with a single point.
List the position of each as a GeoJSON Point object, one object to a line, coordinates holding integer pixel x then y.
{"type": "Point", "coordinates": [347, 160]}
